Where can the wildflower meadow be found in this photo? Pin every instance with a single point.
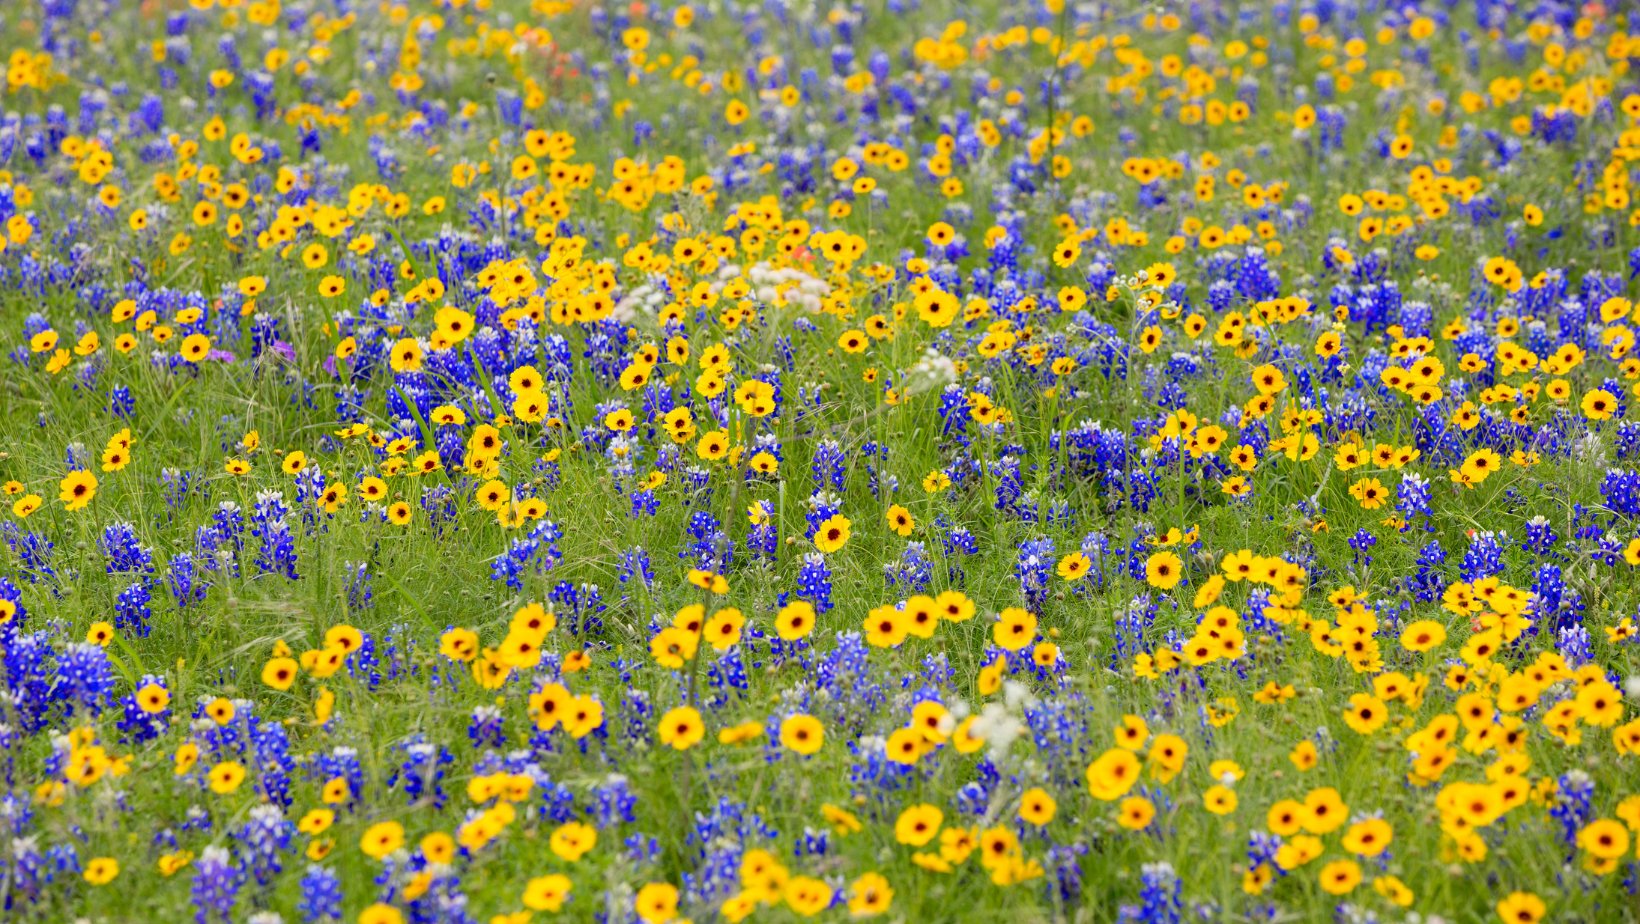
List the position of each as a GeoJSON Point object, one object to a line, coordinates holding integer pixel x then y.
{"type": "Point", "coordinates": [508, 461]}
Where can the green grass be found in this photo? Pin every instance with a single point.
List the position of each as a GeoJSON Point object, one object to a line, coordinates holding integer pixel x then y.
{"type": "Point", "coordinates": [426, 577]}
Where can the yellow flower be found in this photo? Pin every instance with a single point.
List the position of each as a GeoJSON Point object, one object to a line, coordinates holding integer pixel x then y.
{"type": "Point", "coordinates": [381, 913]}
{"type": "Point", "coordinates": [225, 777]}
{"type": "Point", "coordinates": [1112, 774]}
{"type": "Point", "coordinates": [1164, 570]}
{"type": "Point", "coordinates": [316, 821]}
{"type": "Point", "coordinates": [869, 895]}
{"type": "Point", "coordinates": [1522, 908]}
{"type": "Point", "coordinates": [77, 489]}
{"type": "Point", "coordinates": [571, 841]}
{"type": "Point", "coordinates": [681, 728]}
{"type": "Point", "coordinates": [1075, 566]}
{"type": "Point", "coordinates": [900, 520]}
{"type": "Point", "coordinates": [1604, 838]}
{"type": "Point", "coordinates": [832, 534]}
{"type": "Point", "coordinates": [1135, 813]}
{"type": "Point", "coordinates": [1340, 877]}
{"type": "Point", "coordinates": [546, 893]}
{"type": "Point", "coordinates": [807, 896]}
{"type": "Point", "coordinates": [101, 870]}
{"type": "Point", "coordinates": [1220, 799]}
{"type": "Point", "coordinates": [153, 698]}
{"type": "Point", "coordinates": [803, 734]}
{"type": "Point", "coordinates": [381, 839]}
{"type": "Point", "coordinates": [657, 903]}
{"type": "Point", "coordinates": [1036, 806]}
{"type": "Point", "coordinates": [1014, 629]}
{"type": "Point", "coordinates": [918, 824]}
{"type": "Point", "coordinates": [195, 347]}
{"type": "Point", "coordinates": [280, 673]}
{"type": "Point", "coordinates": [795, 620]}
{"type": "Point", "coordinates": [1599, 404]}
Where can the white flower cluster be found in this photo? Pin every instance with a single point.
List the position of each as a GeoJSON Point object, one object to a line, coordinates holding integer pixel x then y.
{"type": "Point", "coordinates": [768, 283]}
{"type": "Point", "coordinates": [801, 289]}
{"type": "Point", "coordinates": [1000, 723]}
{"type": "Point", "coordinates": [933, 370]}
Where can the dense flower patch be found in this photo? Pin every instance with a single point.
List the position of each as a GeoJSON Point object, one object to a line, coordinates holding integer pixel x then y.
{"type": "Point", "coordinates": [507, 460]}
